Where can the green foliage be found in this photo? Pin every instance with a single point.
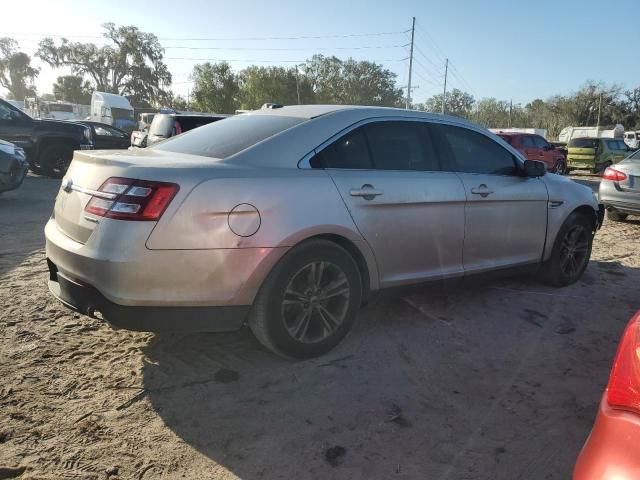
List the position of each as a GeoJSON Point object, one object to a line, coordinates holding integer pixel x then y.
{"type": "Point", "coordinates": [216, 88]}
{"type": "Point", "coordinates": [132, 65]}
{"type": "Point", "coordinates": [16, 72]}
{"type": "Point", "coordinates": [73, 89]}
{"type": "Point", "coordinates": [260, 85]}
{"type": "Point", "coordinates": [351, 82]}
{"type": "Point", "coordinates": [459, 103]}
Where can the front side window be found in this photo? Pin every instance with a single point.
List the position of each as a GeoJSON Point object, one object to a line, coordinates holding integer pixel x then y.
{"type": "Point", "coordinates": [473, 152]}
{"type": "Point", "coordinates": [540, 142]}
{"type": "Point", "coordinates": [5, 112]}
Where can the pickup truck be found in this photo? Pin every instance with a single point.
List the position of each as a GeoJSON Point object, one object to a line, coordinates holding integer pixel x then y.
{"type": "Point", "coordinates": [48, 144]}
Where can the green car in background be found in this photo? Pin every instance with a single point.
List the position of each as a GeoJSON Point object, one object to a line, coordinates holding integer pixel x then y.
{"type": "Point", "coordinates": [595, 154]}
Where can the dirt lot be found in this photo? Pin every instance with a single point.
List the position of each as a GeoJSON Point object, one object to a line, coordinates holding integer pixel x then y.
{"type": "Point", "coordinates": [492, 381]}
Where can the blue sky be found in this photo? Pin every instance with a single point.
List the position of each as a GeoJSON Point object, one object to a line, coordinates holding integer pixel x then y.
{"type": "Point", "coordinates": [504, 49]}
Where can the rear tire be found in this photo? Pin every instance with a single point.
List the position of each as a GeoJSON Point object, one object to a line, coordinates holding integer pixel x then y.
{"type": "Point", "coordinates": [54, 159]}
{"type": "Point", "coordinates": [309, 302]}
{"type": "Point", "coordinates": [571, 252]}
{"type": "Point", "coordinates": [616, 216]}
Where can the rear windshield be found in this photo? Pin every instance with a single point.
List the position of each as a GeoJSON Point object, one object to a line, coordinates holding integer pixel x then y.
{"type": "Point", "coordinates": [229, 136]}
{"type": "Point", "coordinates": [583, 143]}
{"type": "Point", "coordinates": [635, 156]}
{"type": "Point", "coordinates": [161, 125]}
{"type": "Point", "coordinates": [617, 145]}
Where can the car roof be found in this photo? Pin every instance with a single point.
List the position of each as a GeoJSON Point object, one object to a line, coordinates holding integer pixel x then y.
{"type": "Point", "coordinates": [315, 111]}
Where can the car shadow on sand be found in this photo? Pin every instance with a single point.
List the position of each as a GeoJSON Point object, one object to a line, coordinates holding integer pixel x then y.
{"type": "Point", "coordinates": [433, 383]}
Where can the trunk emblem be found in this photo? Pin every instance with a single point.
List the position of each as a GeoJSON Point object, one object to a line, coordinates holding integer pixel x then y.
{"type": "Point", "coordinates": [67, 185]}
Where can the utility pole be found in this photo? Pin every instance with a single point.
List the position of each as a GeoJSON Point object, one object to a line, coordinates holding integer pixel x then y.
{"type": "Point", "coordinates": [599, 108]}
{"type": "Point", "coordinates": [444, 92]}
{"type": "Point", "coordinates": [413, 29]}
{"type": "Point", "coordinates": [188, 98]}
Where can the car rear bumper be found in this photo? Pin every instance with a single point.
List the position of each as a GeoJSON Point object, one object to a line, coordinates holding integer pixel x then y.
{"type": "Point", "coordinates": [85, 299]}
{"type": "Point", "coordinates": [614, 197]}
{"type": "Point", "coordinates": [612, 451]}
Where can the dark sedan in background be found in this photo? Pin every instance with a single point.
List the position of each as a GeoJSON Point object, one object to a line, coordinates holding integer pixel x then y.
{"type": "Point", "coordinates": [13, 166]}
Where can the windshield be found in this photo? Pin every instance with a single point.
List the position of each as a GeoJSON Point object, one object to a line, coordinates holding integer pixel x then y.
{"type": "Point", "coordinates": [229, 136]}
{"type": "Point", "coordinates": [583, 143]}
{"type": "Point", "coordinates": [121, 113]}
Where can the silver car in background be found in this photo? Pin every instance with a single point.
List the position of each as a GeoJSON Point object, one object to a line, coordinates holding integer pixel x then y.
{"type": "Point", "coordinates": [286, 218]}
{"type": "Point", "coordinates": [620, 188]}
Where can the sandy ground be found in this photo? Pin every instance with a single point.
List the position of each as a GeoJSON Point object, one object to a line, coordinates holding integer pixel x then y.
{"type": "Point", "coordinates": [493, 381]}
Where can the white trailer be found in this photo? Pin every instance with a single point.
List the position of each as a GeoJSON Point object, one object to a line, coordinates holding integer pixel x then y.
{"type": "Point", "coordinates": [568, 133]}
{"type": "Point", "coordinates": [113, 110]}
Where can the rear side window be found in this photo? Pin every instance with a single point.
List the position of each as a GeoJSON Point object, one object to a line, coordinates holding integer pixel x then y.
{"type": "Point", "coordinates": [392, 145]}
{"type": "Point", "coordinates": [229, 136]}
{"type": "Point", "coordinates": [401, 146]}
{"type": "Point", "coordinates": [161, 125]}
{"type": "Point", "coordinates": [616, 145]}
{"type": "Point", "coordinates": [528, 142]}
{"type": "Point", "coordinates": [507, 138]}
{"type": "Point", "coordinates": [350, 152]}
{"type": "Point", "coordinates": [473, 152]}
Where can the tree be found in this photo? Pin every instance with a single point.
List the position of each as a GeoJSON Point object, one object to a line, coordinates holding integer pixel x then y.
{"type": "Point", "coordinates": [352, 82]}
{"type": "Point", "coordinates": [16, 72]}
{"type": "Point", "coordinates": [459, 103]}
{"type": "Point", "coordinates": [260, 85]}
{"type": "Point", "coordinates": [216, 88]}
{"type": "Point", "coordinates": [132, 65]}
{"type": "Point", "coordinates": [73, 89]}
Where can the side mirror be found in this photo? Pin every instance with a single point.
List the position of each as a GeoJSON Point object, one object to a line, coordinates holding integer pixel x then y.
{"type": "Point", "coordinates": [534, 168]}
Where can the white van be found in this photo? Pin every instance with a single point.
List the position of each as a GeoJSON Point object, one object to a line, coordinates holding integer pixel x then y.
{"type": "Point", "coordinates": [113, 110]}
{"type": "Point", "coordinates": [632, 139]}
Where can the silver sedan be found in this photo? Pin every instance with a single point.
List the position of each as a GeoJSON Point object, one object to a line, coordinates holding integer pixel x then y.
{"type": "Point", "coordinates": [287, 218]}
{"type": "Point", "coordinates": [620, 188]}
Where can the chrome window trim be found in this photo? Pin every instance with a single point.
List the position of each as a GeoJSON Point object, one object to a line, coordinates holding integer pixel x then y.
{"type": "Point", "coordinates": [304, 162]}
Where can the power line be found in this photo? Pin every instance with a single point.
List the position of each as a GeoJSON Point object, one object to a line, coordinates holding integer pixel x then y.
{"type": "Point", "coordinates": [220, 39]}
{"type": "Point", "coordinates": [362, 47]}
{"type": "Point", "coordinates": [260, 61]}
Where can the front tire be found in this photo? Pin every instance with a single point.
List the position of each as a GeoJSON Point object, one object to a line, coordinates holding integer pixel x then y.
{"type": "Point", "coordinates": [309, 302]}
{"type": "Point", "coordinates": [54, 159]}
{"type": "Point", "coordinates": [571, 252]}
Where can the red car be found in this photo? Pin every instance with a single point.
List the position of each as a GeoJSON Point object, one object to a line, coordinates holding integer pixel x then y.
{"type": "Point", "coordinates": [612, 451]}
{"type": "Point", "coordinates": [534, 147]}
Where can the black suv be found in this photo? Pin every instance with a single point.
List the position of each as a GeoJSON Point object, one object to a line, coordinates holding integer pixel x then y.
{"type": "Point", "coordinates": [48, 144]}
{"type": "Point", "coordinates": [169, 123]}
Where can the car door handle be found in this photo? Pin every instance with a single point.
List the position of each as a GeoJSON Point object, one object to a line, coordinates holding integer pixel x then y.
{"type": "Point", "coordinates": [368, 192]}
{"type": "Point", "coordinates": [482, 190]}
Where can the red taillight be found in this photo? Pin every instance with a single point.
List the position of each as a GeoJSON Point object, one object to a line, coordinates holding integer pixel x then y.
{"type": "Point", "coordinates": [129, 199]}
{"type": "Point", "coordinates": [623, 390]}
{"type": "Point", "coordinates": [613, 174]}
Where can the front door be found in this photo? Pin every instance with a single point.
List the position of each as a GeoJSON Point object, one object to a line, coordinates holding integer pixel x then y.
{"type": "Point", "coordinates": [408, 210]}
{"type": "Point", "coordinates": [505, 213]}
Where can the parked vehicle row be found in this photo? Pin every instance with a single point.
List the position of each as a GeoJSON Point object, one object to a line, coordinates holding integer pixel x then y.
{"type": "Point", "coordinates": [49, 144]}
{"type": "Point", "coordinates": [287, 218]}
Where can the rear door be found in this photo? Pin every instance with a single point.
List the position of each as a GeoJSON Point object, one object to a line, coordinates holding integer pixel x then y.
{"type": "Point", "coordinates": [409, 211]}
{"type": "Point", "coordinates": [529, 147]}
{"type": "Point", "coordinates": [505, 213]}
{"type": "Point", "coordinates": [15, 127]}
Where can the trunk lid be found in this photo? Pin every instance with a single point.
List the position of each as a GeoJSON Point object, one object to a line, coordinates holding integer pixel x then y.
{"type": "Point", "coordinates": [89, 170]}
{"type": "Point", "coordinates": [632, 170]}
